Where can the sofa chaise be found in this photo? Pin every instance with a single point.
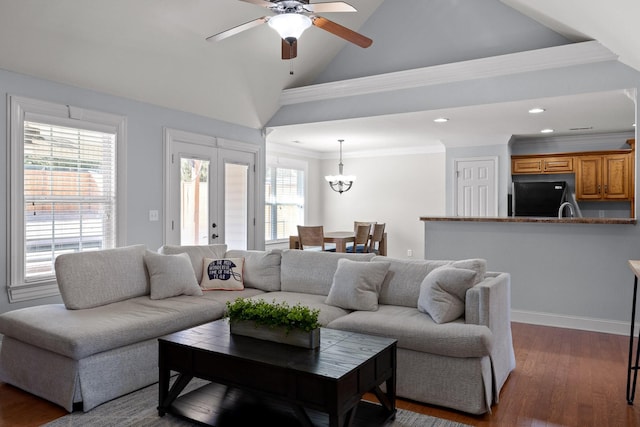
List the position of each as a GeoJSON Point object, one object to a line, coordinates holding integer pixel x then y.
{"type": "Point", "coordinates": [102, 342]}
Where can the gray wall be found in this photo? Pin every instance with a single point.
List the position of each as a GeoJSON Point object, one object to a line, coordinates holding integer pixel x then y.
{"type": "Point", "coordinates": [144, 154]}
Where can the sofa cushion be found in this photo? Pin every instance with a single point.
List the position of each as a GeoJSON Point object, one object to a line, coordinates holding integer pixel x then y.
{"type": "Point", "coordinates": [224, 274]}
{"type": "Point", "coordinates": [415, 331]}
{"type": "Point", "coordinates": [356, 284]}
{"type": "Point", "coordinates": [312, 272]}
{"type": "Point", "coordinates": [327, 314]}
{"type": "Point", "coordinates": [261, 268]}
{"type": "Point", "coordinates": [442, 293]}
{"type": "Point", "coordinates": [170, 275]}
{"type": "Point", "coordinates": [197, 253]}
{"type": "Point", "coordinates": [81, 333]}
{"type": "Point", "coordinates": [402, 283]}
{"type": "Point", "coordinates": [92, 279]}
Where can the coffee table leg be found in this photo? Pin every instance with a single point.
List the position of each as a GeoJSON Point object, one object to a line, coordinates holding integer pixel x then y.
{"type": "Point", "coordinates": [302, 415]}
{"type": "Point", "coordinates": [166, 396]}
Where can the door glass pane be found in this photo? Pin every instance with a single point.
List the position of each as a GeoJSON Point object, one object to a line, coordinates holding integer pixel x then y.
{"type": "Point", "coordinates": [194, 201]}
{"type": "Point", "coordinates": [236, 215]}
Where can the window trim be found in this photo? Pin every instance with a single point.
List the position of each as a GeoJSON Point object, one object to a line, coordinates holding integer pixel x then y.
{"type": "Point", "coordinates": [20, 109]}
{"type": "Point", "coordinates": [288, 163]}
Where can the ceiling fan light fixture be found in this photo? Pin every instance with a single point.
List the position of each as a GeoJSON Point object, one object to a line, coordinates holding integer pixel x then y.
{"type": "Point", "coordinates": [290, 25]}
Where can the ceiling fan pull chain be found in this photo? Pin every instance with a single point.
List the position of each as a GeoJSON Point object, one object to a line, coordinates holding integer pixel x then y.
{"type": "Point", "coordinates": [291, 60]}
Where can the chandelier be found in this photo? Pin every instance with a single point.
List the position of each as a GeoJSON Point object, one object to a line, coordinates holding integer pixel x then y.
{"type": "Point", "coordinates": [340, 182]}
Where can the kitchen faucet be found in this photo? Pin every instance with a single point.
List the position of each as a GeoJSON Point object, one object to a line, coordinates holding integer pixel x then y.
{"type": "Point", "coordinates": [561, 209]}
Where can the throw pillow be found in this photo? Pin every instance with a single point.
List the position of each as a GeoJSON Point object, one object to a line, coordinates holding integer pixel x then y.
{"type": "Point", "coordinates": [442, 292]}
{"type": "Point", "coordinates": [356, 285]}
{"type": "Point", "coordinates": [478, 265]}
{"type": "Point", "coordinates": [225, 274]}
{"type": "Point", "coordinates": [170, 275]}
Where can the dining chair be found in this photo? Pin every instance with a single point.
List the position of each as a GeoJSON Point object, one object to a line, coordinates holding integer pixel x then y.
{"type": "Point", "coordinates": [357, 223]}
{"type": "Point", "coordinates": [361, 243]}
{"type": "Point", "coordinates": [376, 237]}
{"type": "Point", "coordinates": [311, 237]}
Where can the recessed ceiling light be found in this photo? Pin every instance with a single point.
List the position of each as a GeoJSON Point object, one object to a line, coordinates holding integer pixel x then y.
{"type": "Point", "coordinates": [441, 120]}
{"type": "Point", "coordinates": [536, 110]}
{"type": "Point", "coordinates": [546, 131]}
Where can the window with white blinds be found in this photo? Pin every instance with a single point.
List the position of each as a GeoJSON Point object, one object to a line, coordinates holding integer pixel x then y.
{"type": "Point", "coordinates": [69, 194]}
{"type": "Point", "coordinates": [284, 202]}
{"type": "Point", "coordinates": [64, 189]}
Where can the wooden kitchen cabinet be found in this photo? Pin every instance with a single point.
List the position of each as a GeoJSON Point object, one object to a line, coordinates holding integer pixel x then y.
{"type": "Point", "coordinates": [604, 177]}
{"type": "Point", "coordinates": [542, 164]}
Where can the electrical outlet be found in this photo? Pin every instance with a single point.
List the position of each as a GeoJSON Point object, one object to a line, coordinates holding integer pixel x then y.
{"type": "Point", "coordinates": [409, 253]}
{"type": "Point", "coordinates": [154, 215]}
{"type": "Point", "coordinates": [601, 213]}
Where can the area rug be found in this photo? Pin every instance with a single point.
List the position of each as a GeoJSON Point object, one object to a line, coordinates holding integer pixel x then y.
{"type": "Point", "coordinates": [139, 409]}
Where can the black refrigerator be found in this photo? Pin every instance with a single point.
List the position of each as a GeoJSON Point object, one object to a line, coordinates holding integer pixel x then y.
{"type": "Point", "coordinates": [538, 198]}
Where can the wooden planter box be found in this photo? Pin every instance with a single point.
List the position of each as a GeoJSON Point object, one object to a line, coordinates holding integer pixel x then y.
{"type": "Point", "coordinates": [295, 337]}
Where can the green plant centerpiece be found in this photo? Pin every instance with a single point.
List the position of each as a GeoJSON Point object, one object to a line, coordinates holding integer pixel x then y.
{"type": "Point", "coordinates": [275, 321]}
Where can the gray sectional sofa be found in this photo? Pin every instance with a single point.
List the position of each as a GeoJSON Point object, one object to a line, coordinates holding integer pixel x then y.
{"type": "Point", "coordinates": [102, 342]}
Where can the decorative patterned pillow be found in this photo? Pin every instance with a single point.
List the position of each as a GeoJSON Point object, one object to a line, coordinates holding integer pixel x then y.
{"type": "Point", "coordinates": [170, 275]}
{"type": "Point", "coordinates": [443, 291]}
{"type": "Point", "coordinates": [356, 284]}
{"type": "Point", "coordinates": [225, 274]}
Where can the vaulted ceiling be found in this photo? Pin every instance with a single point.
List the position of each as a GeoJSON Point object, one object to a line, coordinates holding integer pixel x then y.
{"type": "Point", "coordinates": [155, 51]}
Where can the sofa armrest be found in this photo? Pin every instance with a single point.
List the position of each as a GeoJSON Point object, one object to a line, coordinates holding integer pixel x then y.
{"type": "Point", "coordinates": [489, 304]}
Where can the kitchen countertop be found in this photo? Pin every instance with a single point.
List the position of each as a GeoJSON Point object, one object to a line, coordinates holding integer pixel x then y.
{"type": "Point", "coordinates": [524, 219]}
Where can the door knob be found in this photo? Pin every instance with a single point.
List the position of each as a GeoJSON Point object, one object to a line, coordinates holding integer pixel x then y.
{"type": "Point", "coordinates": [214, 225]}
{"type": "Point", "coordinates": [214, 236]}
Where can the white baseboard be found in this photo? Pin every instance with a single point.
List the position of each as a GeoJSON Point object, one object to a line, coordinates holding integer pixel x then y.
{"type": "Point", "coordinates": [572, 322]}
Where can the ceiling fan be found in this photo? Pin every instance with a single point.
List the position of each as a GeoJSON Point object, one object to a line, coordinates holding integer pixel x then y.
{"type": "Point", "coordinates": [290, 19]}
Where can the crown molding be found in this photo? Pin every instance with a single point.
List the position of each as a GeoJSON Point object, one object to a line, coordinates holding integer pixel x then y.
{"type": "Point", "coordinates": [521, 62]}
{"type": "Point", "coordinates": [598, 137]}
{"type": "Point", "coordinates": [388, 152]}
{"type": "Point", "coordinates": [275, 149]}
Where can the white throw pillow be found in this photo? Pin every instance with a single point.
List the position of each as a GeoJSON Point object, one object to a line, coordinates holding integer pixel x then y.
{"type": "Point", "coordinates": [171, 275]}
{"type": "Point", "coordinates": [443, 291]}
{"type": "Point", "coordinates": [223, 274]}
{"type": "Point", "coordinates": [356, 285]}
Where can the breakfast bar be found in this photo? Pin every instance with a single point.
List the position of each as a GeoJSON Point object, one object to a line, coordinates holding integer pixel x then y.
{"type": "Point", "coordinates": [568, 272]}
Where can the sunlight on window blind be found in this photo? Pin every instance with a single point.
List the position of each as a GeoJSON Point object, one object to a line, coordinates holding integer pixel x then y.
{"type": "Point", "coordinates": [69, 194]}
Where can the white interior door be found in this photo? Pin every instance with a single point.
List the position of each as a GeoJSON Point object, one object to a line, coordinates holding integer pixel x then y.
{"type": "Point", "coordinates": [476, 187]}
{"type": "Point", "coordinates": [209, 191]}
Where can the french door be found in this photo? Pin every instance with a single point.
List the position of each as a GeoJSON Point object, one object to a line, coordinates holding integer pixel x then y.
{"type": "Point", "coordinates": [209, 191]}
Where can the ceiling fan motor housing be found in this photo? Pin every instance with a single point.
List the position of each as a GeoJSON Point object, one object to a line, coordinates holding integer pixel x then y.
{"type": "Point", "coordinates": [289, 6]}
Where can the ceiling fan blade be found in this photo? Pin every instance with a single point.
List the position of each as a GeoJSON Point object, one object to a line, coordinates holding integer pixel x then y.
{"type": "Point", "coordinates": [341, 31]}
{"type": "Point", "coordinates": [332, 6]}
{"type": "Point", "coordinates": [263, 3]}
{"type": "Point", "coordinates": [289, 51]}
{"type": "Point", "coordinates": [238, 29]}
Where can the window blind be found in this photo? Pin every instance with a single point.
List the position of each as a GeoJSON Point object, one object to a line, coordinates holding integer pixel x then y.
{"type": "Point", "coordinates": [284, 197]}
{"type": "Point", "coordinates": [69, 194]}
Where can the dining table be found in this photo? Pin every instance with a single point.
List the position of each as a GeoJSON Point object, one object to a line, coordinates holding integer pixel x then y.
{"type": "Point", "coordinates": [340, 239]}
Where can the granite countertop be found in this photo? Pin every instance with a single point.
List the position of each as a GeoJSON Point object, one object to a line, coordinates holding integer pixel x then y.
{"type": "Point", "coordinates": [632, 221]}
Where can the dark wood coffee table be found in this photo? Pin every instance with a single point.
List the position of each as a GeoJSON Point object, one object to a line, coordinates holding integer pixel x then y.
{"type": "Point", "coordinates": [329, 380]}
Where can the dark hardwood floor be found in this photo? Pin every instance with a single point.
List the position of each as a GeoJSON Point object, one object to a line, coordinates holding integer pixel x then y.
{"type": "Point", "coordinates": [563, 377]}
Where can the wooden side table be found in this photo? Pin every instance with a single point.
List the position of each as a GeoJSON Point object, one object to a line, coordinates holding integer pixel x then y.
{"type": "Point", "coordinates": [633, 367]}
